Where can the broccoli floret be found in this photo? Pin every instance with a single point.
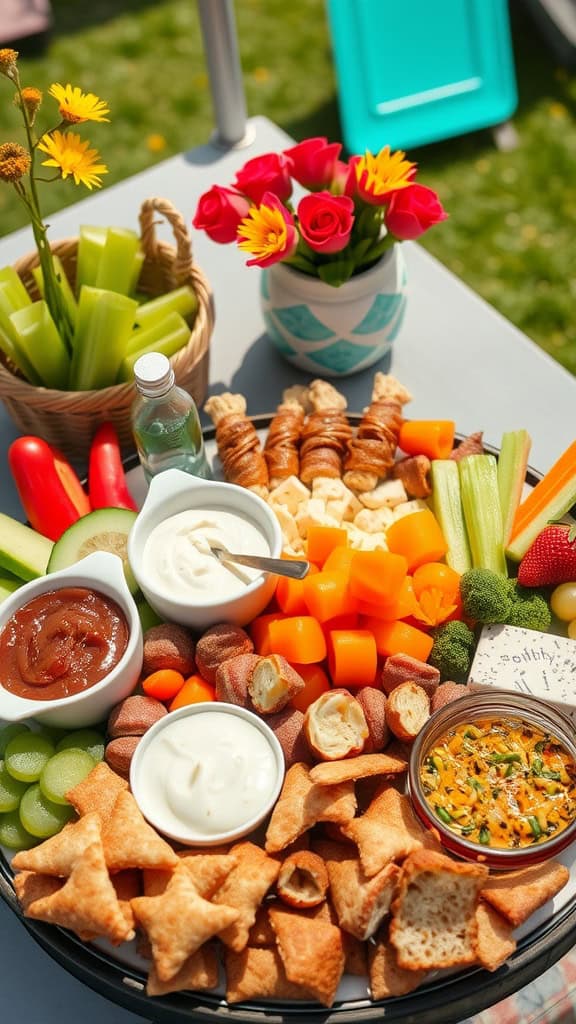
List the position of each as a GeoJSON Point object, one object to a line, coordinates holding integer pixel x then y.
{"type": "Point", "coordinates": [485, 596]}
{"type": "Point", "coordinates": [452, 650]}
{"type": "Point", "coordinates": [529, 609]}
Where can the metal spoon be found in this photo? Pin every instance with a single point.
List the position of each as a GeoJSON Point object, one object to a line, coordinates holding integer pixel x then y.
{"type": "Point", "coordinates": [280, 566]}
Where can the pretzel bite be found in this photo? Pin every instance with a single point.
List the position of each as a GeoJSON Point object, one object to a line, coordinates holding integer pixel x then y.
{"type": "Point", "coordinates": [407, 710]}
{"type": "Point", "coordinates": [335, 726]}
{"type": "Point", "coordinates": [272, 683]}
{"type": "Point", "coordinates": [303, 879]}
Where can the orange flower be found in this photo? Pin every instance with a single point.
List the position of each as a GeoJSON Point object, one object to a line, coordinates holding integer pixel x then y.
{"type": "Point", "coordinates": [30, 98]}
{"type": "Point", "coordinates": [14, 161]}
{"type": "Point", "coordinates": [377, 176]}
{"type": "Point", "coordinates": [268, 232]}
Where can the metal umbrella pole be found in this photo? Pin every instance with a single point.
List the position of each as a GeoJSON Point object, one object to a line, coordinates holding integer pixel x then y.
{"type": "Point", "coordinates": [224, 71]}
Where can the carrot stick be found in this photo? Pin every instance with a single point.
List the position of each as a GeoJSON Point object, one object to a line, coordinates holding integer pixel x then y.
{"type": "Point", "coordinates": [376, 576]}
{"type": "Point", "coordinates": [163, 684]}
{"type": "Point", "coordinates": [418, 537]}
{"type": "Point", "coordinates": [327, 594]}
{"type": "Point", "coordinates": [434, 438]}
{"type": "Point", "coordinates": [316, 682]}
{"type": "Point", "coordinates": [352, 657]}
{"type": "Point", "coordinates": [260, 631]}
{"type": "Point", "coordinates": [550, 499]}
{"type": "Point", "coordinates": [322, 540]}
{"type": "Point", "coordinates": [298, 638]}
{"type": "Point", "coordinates": [290, 594]}
{"type": "Point", "coordinates": [399, 638]}
{"type": "Point", "coordinates": [194, 691]}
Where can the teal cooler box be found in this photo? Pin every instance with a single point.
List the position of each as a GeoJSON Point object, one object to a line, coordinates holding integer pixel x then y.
{"type": "Point", "coordinates": [417, 72]}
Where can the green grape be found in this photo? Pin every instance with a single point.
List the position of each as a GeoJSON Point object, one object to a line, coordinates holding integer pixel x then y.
{"type": "Point", "coordinates": [84, 739]}
{"type": "Point", "coordinates": [8, 732]}
{"type": "Point", "coordinates": [26, 755]}
{"type": "Point", "coordinates": [13, 834]}
{"type": "Point", "coordinates": [63, 771]}
{"type": "Point", "coordinates": [11, 791]}
{"type": "Point", "coordinates": [40, 816]}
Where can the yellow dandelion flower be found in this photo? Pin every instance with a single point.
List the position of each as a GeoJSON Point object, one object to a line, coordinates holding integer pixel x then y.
{"type": "Point", "coordinates": [14, 161]}
{"type": "Point", "coordinates": [379, 174]}
{"type": "Point", "coordinates": [73, 156]}
{"type": "Point", "coordinates": [8, 60]}
{"type": "Point", "coordinates": [155, 142]}
{"type": "Point", "coordinates": [76, 106]}
{"type": "Point", "coordinates": [30, 98]}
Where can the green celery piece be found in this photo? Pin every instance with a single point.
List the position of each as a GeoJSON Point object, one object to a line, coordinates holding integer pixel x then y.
{"type": "Point", "coordinates": [90, 248]}
{"type": "Point", "coordinates": [512, 463]}
{"type": "Point", "coordinates": [482, 514]}
{"type": "Point", "coordinates": [68, 294]}
{"type": "Point", "coordinates": [8, 584]}
{"type": "Point", "coordinates": [448, 510]}
{"type": "Point", "coordinates": [136, 270]}
{"type": "Point", "coordinates": [18, 296]}
{"type": "Point", "coordinates": [181, 300]}
{"type": "Point", "coordinates": [39, 338]}
{"type": "Point", "coordinates": [13, 296]}
{"type": "Point", "coordinates": [167, 345]}
{"type": "Point", "coordinates": [23, 551]}
{"type": "Point", "coordinates": [103, 329]}
{"type": "Point", "coordinates": [141, 339]}
{"type": "Point", "coordinates": [11, 348]}
{"type": "Point", "coordinates": [116, 270]}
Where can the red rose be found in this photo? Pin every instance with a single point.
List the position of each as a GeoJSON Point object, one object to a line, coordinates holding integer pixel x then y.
{"type": "Point", "coordinates": [219, 213]}
{"type": "Point", "coordinates": [326, 221]}
{"type": "Point", "coordinates": [269, 173]}
{"type": "Point", "coordinates": [412, 211]}
{"type": "Point", "coordinates": [313, 162]}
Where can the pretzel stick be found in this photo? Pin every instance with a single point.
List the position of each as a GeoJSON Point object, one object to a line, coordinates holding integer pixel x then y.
{"type": "Point", "coordinates": [238, 443]}
{"type": "Point", "coordinates": [371, 453]}
{"type": "Point", "coordinates": [281, 450]}
{"type": "Point", "coordinates": [325, 434]}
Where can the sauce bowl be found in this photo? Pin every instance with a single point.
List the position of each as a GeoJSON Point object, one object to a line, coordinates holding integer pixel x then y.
{"type": "Point", "coordinates": [103, 572]}
{"type": "Point", "coordinates": [172, 492]}
{"type": "Point", "coordinates": [510, 766]}
{"type": "Point", "coordinates": [208, 773]}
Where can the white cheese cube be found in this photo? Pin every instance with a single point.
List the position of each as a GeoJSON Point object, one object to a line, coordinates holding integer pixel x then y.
{"type": "Point", "coordinates": [387, 494]}
{"type": "Point", "coordinates": [374, 520]}
{"type": "Point", "coordinates": [406, 508]}
{"type": "Point", "coordinates": [291, 493]}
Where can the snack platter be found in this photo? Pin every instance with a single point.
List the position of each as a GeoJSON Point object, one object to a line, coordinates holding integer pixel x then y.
{"type": "Point", "coordinates": [119, 973]}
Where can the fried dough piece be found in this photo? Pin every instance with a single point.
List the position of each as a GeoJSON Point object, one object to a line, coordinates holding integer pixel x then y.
{"type": "Point", "coordinates": [58, 854]}
{"type": "Point", "coordinates": [360, 902]}
{"type": "Point", "coordinates": [356, 960]}
{"type": "Point", "coordinates": [517, 894]}
{"type": "Point", "coordinates": [130, 842]}
{"type": "Point", "coordinates": [261, 933]}
{"type": "Point", "coordinates": [179, 922]}
{"type": "Point", "coordinates": [388, 831]}
{"type": "Point", "coordinates": [198, 973]}
{"type": "Point", "coordinates": [87, 903]}
{"type": "Point", "coordinates": [371, 454]}
{"type": "Point", "coordinates": [303, 803]}
{"type": "Point", "coordinates": [30, 887]}
{"type": "Point", "coordinates": [325, 434]}
{"type": "Point", "coordinates": [312, 952]}
{"type": "Point", "coordinates": [303, 879]}
{"type": "Point", "coordinates": [97, 792]}
{"type": "Point", "coordinates": [238, 443]}
{"type": "Point", "coordinates": [330, 773]}
{"type": "Point", "coordinates": [386, 977]}
{"type": "Point", "coordinates": [495, 942]}
{"type": "Point", "coordinates": [127, 885]}
{"type": "Point", "coordinates": [244, 889]}
{"type": "Point", "coordinates": [387, 388]}
{"type": "Point", "coordinates": [258, 974]}
{"type": "Point", "coordinates": [208, 870]}
{"type": "Point", "coordinates": [281, 450]}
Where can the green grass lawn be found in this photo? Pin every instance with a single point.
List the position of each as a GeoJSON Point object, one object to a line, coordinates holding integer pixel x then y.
{"type": "Point", "coordinates": [512, 217]}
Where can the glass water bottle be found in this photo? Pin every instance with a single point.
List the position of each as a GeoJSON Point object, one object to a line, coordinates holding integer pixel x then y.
{"type": "Point", "coordinates": [165, 421]}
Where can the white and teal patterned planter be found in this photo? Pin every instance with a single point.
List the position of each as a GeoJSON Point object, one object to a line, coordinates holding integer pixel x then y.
{"type": "Point", "coordinates": [334, 332]}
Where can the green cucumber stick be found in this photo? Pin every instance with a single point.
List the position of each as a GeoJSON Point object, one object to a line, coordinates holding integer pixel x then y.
{"type": "Point", "coordinates": [167, 345]}
{"type": "Point", "coordinates": [103, 327]}
{"type": "Point", "coordinates": [512, 463]}
{"type": "Point", "coordinates": [67, 293]}
{"type": "Point", "coordinates": [116, 269]}
{"type": "Point", "coordinates": [40, 341]}
{"type": "Point", "coordinates": [14, 291]}
{"type": "Point", "coordinates": [142, 339]}
{"type": "Point", "coordinates": [482, 514]}
{"type": "Point", "coordinates": [448, 510]}
{"type": "Point", "coordinates": [90, 248]}
{"type": "Point", "coordinates": [182, 300]}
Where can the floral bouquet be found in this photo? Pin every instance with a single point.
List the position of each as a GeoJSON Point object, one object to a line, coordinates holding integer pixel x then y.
{"type": "Point", "coordinates": [352, 214]}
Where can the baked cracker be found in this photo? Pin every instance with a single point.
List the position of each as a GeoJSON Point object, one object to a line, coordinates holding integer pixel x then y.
{"type": "Point", "coordinates": [312, 952]}
{"type": "Point", "coordinates": [517, 894]}
{"type": "Point", "coordinates": [303, 803]}
{"type": "Point", "coordinates": [360, 902]}
{"type": "Point", "coordinates": [495, 942]}
{"type": "Point", "coordinates": [330, 773]}
{"type": "Point", "coordinates": [258, 973]}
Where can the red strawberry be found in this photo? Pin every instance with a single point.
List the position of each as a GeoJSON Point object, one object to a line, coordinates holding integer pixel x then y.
{"type": "Point", "coordinates": [551, 559]}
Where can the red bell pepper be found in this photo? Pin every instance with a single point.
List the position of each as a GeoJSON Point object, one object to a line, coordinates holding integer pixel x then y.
{"type": "Point", "coordinates": [50, 491]}
{"type": "Point", "coordinates": [106, 478]}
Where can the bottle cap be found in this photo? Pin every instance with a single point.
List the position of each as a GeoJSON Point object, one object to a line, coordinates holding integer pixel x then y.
{"type": "Point", "coordinates": [153, 374]}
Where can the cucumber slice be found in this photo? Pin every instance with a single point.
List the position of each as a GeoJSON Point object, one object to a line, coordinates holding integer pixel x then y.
{"type": "Point", "coordinates": [26, 755]}
{"type": "Point", "coordinates": [8, 733]}
{"type": "Point", "coordinates": [105, 529]}
{"type": "Point", "coordinates": [39, 816]}
{"type": "Point", "coordinates": [11, 791]}
{"type": "Point", "coordinates": [84, 739]}
{"type": "Point", "coordinates": [13, 834]}
{"type": "Point", "coordinates": [64, 771]}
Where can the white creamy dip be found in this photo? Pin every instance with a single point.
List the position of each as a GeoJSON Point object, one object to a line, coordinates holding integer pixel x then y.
{"type": "Point", "coordinates": [177, 558]}
{"type": "Point", "coordinates": [206, 774]}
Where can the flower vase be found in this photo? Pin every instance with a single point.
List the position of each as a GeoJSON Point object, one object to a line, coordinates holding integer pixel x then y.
{"type": "Point", "coordinates": [335, 332]}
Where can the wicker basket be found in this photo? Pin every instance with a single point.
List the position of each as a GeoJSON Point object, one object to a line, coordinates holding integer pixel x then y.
{"type": "Point", "coordinates": [68, 419]}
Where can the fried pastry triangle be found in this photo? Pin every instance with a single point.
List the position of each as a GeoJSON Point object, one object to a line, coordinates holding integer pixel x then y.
{"type": "Point", "coordinates": [198, 972]}
{"type": "Point", "coordinates": [312, 952]}
{"type": "Point", "coordinates": [388, 831]}
{"type": "Point", "coordinates": [360, 902]}
{"type": "Point", "coordinates": [97, 792]}
{"type": "Point", "coordinates": [303, 803]}
{"type": "Point", "coordinates": [57, 855]}
{"type": "Point", "coordinates": [258, 973]}
{"type": "Point", "coordinates": [130, 842]}
{"type": "Point", "coordinates": [244, 889]}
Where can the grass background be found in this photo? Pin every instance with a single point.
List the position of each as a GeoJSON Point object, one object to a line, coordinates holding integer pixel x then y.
{"type": "Point", "coordinates": [512, 227]}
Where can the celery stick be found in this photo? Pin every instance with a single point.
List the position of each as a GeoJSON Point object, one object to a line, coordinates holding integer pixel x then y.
{"type": "Point", "coordinates": [141, 339]}
{"type": "Point", "coordinates": [39, 339]}
{"type": "Point", "coordinates": [67, 293]}
{"type": "Point", "coordinates": [181, 300]}
{"type": "Point", "coordinates": [447, 504]}
{"type": "Point", "coordinates": [116, 269]}
{"type": "Point", "coordinates": [90, 248]}
{"type": "Point", "coordinates": [136, 269]}
{"type": "Point", "coordinates": [482, 514]}
{"type": "Point", "coordinates": [10, 346]}
{"type": "Point", "coordinates": [512, 463]}
{"type": "Point", "coordinates": [168, 345]}
{"type": "Point", "coordinates": [14, 290]}
{"type": "Point", "coordinates": [103, 327]}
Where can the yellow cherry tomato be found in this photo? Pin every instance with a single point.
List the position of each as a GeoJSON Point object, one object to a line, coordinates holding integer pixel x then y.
{"type": "Point", "coordinates": [563, 601]}
{"type": "Point", "coordinates": [572, 630]}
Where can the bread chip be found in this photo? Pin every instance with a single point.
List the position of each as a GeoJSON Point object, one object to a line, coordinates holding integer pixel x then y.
{"type": "Point", "coordinates": [178, 922]}
{"type": "Point", "coordinates": [57, 855]}
{"type": "Point", "coordinates": [495, 943]}
{"type": "Point", "coordinates": [360, 902]}
{"type": "Point", "coordinates": [517, 894]}
{"type": "Point", "coordinates": [434, 914]}
{"type": "Point", "coordinates": [387, 831]}
{"type": "Point", "coordinates": [303, 879]}
{"type": "Point", "coordinates": [244, 889]}
{"type": "Point", "coordinates": [312, 953]}
{"type": "Point", "coordinates": [303, 803]}
{"type": "Point", "coordinates": [130, 842]}
{"type": "Point", "coordinates": [97, 792]}
{"type": "Point", "coordinates": [329, 773]}
{"type": "Point", "coordinates": [87, 903]}
{"type": "Point", "coordinates": [386, 977]}
{"type": "Point", "coordinates": [258, 974]}
{"type": "Point", "coordinates": [30, 887]}
{"type": "Point", "coordinates": [198, 973]}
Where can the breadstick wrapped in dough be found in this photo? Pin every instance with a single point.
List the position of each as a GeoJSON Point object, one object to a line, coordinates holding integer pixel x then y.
{"type": "Point", "coordinates": [371, 453]}
{"type": "Point", "coordinates": [325, 434]}
{"type": "Point", "coordinates": [281, 450]}
{"type": "Point", "coordinates": [238, 443]}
